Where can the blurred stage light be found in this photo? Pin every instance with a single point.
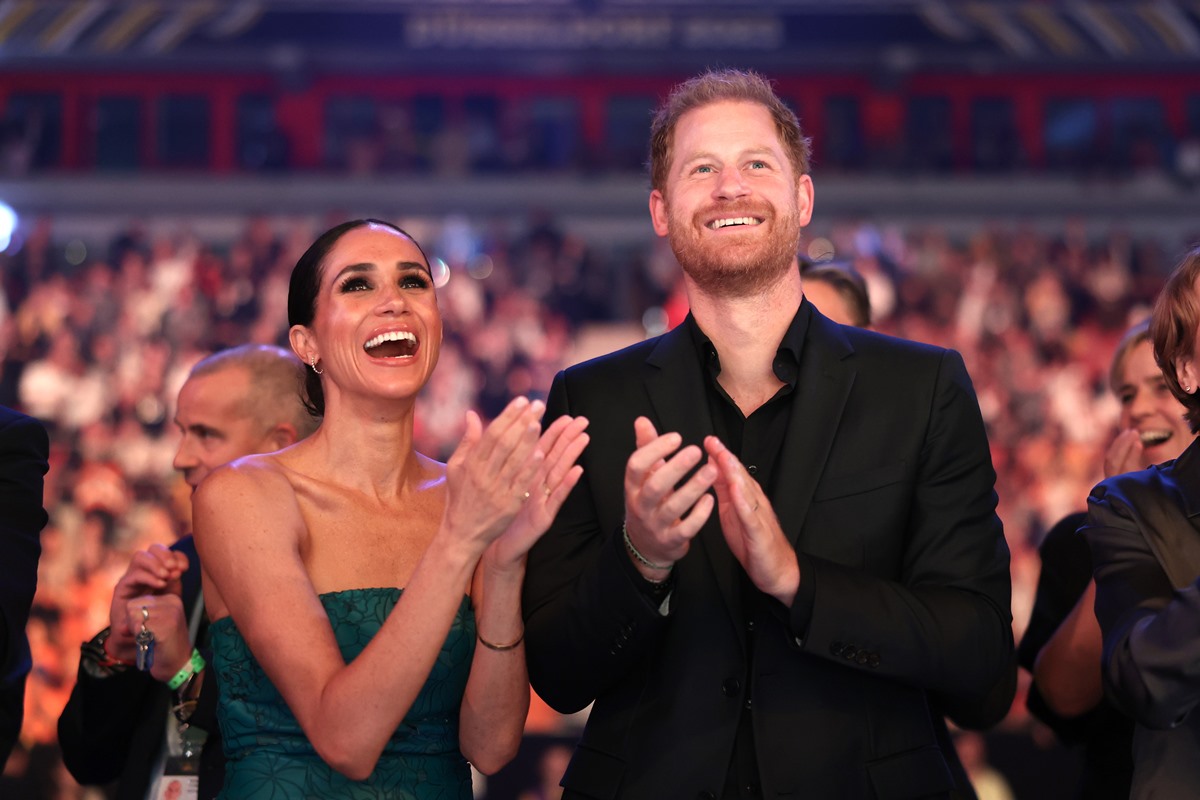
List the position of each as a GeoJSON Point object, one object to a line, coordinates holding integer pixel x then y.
{"type": "Point", "coordinates": [8, 223]}
{"type": "Point", "coordinates": [440, 271]}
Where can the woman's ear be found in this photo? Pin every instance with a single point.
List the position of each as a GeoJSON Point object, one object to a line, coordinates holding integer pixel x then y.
{"type": "Point", "coordinates": [303, 345]}
{"type": "Point", "coordinates": [1187, 375]}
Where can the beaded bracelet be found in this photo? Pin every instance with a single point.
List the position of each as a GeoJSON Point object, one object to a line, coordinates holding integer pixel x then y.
{"type": "Point", "coordinates": [193, 665]}
{"type": "Point", "coordinates": [633, 551]}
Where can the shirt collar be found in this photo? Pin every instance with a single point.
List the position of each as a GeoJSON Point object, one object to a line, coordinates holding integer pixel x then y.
{"type": "Point", "coordinates": [787, 356]}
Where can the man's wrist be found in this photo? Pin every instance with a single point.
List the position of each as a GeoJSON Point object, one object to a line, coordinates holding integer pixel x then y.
{"type": "Point", "coordinates": [96, 659]}
{"type": "Point", "coordinates": [789, 584]}
{"type": "Point", "coordinates": [650, 570]}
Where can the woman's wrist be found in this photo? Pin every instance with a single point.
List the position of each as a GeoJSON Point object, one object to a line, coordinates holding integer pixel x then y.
{"type": "Point", "coordinates": [451, 554]}
{"type": "Point", "coordinates": [499, 574]}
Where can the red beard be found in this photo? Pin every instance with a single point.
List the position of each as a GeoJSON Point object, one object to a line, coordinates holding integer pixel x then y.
{"type": "Point", "coordinates": [737, 268]}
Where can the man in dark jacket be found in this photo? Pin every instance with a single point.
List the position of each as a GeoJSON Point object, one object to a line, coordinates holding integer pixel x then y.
{"type": "Point", "coordinates": [119, 722]}
{"type": "Point", "coordinates": [24, 453]}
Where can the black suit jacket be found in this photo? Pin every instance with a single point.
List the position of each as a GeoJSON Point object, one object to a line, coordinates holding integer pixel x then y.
{"type": "Point", "coordinates": [1144, 531]}
{"type": "Point", "coordinates": [24, 459]}
{"type": "Point", "coordinates": [113, 728]}
{"type": "Point", "coordinates": [885, 486]}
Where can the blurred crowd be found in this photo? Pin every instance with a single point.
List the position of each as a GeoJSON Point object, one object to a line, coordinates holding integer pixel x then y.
{"type": "Point", "coordinates": [97, 338]}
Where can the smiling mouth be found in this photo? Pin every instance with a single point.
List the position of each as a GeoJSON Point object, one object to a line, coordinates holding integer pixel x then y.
{"type": "Point", "coordinates": [734, 222]}
{"type": "Point", "coordinates": [1152, 438]}
{"type": "Point", "coordinates": [392, 344]}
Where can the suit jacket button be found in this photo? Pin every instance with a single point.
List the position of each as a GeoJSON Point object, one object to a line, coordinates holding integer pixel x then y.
{"type": "Point", "coordinates": [849, 652]}
{"type": "Point", "coordinates": [706, 796]}
{"type": "Point", "coordinates": [836, 648]}
{"type": "Point", "coordinates": [863, 657]}
{"type": "Point", "coordinates": [873, 661]}
{"type": "Point", "coordinates": [731, 687]}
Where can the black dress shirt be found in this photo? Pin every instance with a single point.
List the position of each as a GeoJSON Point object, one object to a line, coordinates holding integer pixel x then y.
{"type": "Point", "coordinates": [756, 440]}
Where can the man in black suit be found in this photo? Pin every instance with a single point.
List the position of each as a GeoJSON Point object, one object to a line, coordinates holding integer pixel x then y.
{"type": "Point", "coordinates": [854, 578]}
{"type": "Point", "coordinates": [114, 727]}
{"type": "Point", "coordinates": [24, 454]}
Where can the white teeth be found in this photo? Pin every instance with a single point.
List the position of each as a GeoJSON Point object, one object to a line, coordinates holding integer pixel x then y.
{"type": "Point", "coordinates": [1154, 437]}
{"type": "Point", "coordinates": [391, 336]}
{"type": "Point", "coordinates": [725, 223]}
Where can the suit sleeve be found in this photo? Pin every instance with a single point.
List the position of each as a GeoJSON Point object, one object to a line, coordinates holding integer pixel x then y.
{"type": "Point", "coordinates": [1151, 630]}
{"type": "Point", "coordinates": [587, 620]}
{"type": "Point", "coordinates": [24, 449]}
{"type": "Point", "coordinates": [99, 722]}
{"type": "Point", "coordinates": [946, 623]}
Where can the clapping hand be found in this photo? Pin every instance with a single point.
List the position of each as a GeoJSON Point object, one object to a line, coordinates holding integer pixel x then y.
{"type": "Point", "coordinates": [660, 519]}
{"type": "Point", "coordinates": [751, 528]}
{"type": "Point", "coordinates": [557, 474]}
{"type": "Point", "coordinates": [489, 476]}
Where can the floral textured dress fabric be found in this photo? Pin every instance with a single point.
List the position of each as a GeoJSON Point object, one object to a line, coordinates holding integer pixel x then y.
{"type": "Point", "coordinates": [270, 758]}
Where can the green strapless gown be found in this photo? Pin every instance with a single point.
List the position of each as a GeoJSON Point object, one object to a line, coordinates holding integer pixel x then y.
{"type": "Point", "coordinates": [268, 755]}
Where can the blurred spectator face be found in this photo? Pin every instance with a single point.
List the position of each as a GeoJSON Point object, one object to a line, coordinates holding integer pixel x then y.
{"type": "Point", "coordinates": [829, 301]}
{"type": "Point", "coordinates": [215, 417]}
{"type": "Point", "coordinates": [1148, 406]}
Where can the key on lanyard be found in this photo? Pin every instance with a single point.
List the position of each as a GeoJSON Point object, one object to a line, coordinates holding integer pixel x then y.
{"type": "Point", "coordinates": [145, 644]}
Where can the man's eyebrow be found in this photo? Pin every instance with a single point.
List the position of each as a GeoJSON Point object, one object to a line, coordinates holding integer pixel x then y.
{"type": "Point", "coordinates": [750, 152]}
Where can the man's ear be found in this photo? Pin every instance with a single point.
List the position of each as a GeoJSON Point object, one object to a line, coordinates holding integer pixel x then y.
{"type": "Point", "coordinates": [284, 434]}
{"type": "Point", "coordinates": [658, 213]}
{"type": "Point", "coordinates": [804, 199]}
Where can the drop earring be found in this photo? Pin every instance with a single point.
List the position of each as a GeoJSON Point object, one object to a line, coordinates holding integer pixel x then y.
{"type": "Point", "coordinates": [312, 362]}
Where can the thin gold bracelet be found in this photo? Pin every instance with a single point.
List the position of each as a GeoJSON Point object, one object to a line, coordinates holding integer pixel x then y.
{"type": "Point", "coordinates": [499, 648]}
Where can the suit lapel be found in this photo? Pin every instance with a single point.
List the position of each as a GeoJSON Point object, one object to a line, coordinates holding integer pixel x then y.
{"type": "Point", "coordinates": [820, 397]}
{"type": "Point", "coordinates": [676, 386]}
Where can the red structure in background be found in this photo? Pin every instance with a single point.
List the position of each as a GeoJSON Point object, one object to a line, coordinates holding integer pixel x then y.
{"type": "Point", "coordinates": [939, 121]}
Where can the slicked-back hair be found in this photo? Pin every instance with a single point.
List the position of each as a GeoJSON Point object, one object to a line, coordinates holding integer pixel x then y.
{"type": "Point", "coordinates": [715, 86]}
{"type": "Point", "coordinates": [305, 283]}
{"type": "Point", "coordinates": [1173, 326]}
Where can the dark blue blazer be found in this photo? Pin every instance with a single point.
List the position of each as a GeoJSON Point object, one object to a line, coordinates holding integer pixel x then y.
{"type": "Point", "coordinates": [24, 459]}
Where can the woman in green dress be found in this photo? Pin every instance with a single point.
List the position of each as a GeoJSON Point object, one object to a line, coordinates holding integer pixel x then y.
{"type": "Point", "coordinates": [349, 578]}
